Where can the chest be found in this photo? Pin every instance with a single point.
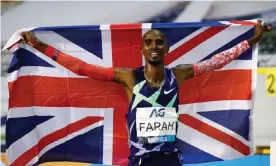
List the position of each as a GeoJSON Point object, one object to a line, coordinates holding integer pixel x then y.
{"type": "Point", "coordinates": [145, 96]}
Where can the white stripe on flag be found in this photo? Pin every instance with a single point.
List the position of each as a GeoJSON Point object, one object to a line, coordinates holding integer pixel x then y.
{"type": "Point", "coordinates": [20, 112]}
{"type": "Point", "coordinates": [239, 64]}
{"type": "Point", "coordinates": [45, 58]}
{"type": "Point", "coordinates": [60, 141]}
{"type": "Point", "coordinates": [189, 37]}
{"type": "Point", "coordinates": [55, 72]}
{"type": "Point", "coordinates": [107, 142]}
{"type": "Point", "coordinates": [60, 120]}
{"type": "Point", "coordinates": [146, 27]}
{"type": "Point", "coordinates": [221, 128]}
{"type": "Point", "coordinates": [215, 106]}
{"type": "Point", "coordinates": [108, 137]}
{"type": "Point", "coordinates": [105, 62]}
{"type": "Point", "coordinates": [210, 45]}
{"type": "Point", "coordinates": [16, 36]}
{"type": "Point", "coordinates": [40, 71]}
{"type": "Point", "coordinates": [206, 144]}
{"type": "Point", "coordinates": [106, 46]}
{"type": "Point", "coordinates": [68, 47]}
{"type": "Point", "coordinates": [229, 23]}
{"type": "Point", "coordinates": [16, 47]}
{"type": "Point", "coordinates": [29, 140]}
{"type": "Point", "coordinates": [236, 24]}
{"type": "Point", "coordinates": [192, 110]}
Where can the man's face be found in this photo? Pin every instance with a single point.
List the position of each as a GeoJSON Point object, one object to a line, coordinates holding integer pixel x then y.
{"type": "Point", "coordinates": [154, 47]}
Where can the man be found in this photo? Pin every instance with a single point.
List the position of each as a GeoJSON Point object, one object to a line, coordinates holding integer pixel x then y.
{"type": "Point", "coordinates": [152, 92]}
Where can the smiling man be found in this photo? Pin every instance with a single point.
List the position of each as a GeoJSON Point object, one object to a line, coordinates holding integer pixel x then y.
{"type": "Point", "coordinates": [152, 92]}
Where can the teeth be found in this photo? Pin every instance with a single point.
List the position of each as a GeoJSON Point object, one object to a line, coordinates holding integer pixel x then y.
{"type": "Point", "coordinates": [154, 53]}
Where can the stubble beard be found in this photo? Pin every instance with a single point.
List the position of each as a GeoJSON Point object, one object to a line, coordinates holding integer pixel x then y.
{"type": "Point", "coordinates": [155, 63]}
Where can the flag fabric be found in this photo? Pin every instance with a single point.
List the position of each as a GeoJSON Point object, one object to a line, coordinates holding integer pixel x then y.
{"type": "Point", "coordinates": [56, 115]}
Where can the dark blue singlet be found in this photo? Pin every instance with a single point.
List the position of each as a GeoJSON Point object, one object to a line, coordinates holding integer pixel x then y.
{"type": "Point", "coordinates": [146, 96]}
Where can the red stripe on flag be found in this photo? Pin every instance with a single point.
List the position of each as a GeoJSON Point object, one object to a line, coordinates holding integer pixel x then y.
{"type": "Point", "coordinates": [14, 44]}
{"type": "Point", "coordinates": [50, 138]}
{"type": "Point", "coordinates": [84, 92]}
{"type": "Point", "coordinates": [243, 22]}
{"type": "Point", "coordinates": [214, 133]}
{"type": "Point", "coordinates": [126, 42]}
{"type": "Point", "coordinates": [192, 43]}
{"type": "Point", "coordinates": [217, 85]}
{"type": "Point", "coordinates": [42, 91]}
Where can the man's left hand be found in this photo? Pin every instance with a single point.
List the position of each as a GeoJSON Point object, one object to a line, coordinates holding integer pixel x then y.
{"type": "Point", "coordinates": [260, 27]}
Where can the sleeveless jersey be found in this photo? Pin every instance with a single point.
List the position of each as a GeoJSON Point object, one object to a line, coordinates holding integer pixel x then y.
{"type": "Point", "coordinates": [146, 96]}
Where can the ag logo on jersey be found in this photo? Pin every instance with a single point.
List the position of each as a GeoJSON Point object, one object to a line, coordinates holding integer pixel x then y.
{"type": "Point", "coordinates": [158, 112]}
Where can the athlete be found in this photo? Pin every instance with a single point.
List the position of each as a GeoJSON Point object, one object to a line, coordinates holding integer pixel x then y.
{"type": "Point", "coordinates": [152, 91]}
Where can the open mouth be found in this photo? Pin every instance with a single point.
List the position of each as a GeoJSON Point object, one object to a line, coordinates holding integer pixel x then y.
{"type": "Point", "coordinates": [154, 54]}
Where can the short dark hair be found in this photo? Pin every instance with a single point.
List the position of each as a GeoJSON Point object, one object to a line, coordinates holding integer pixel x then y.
{"type": "Point", "coordinates": [162, 33]}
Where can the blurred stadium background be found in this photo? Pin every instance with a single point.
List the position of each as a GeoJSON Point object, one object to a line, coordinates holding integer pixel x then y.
{"type": "Point", "coordinates": [16, 15]}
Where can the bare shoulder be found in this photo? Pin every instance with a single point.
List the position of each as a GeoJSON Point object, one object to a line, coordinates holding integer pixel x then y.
{"type": "Point", "coordinates": [182, 68]}
{"type": "Point", "coordinates": [124, 75]}
{"type": "Point", "coordinates": [183, 72]}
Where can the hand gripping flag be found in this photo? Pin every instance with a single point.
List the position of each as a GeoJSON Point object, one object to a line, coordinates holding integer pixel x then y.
{"type": "Point", "coordinates": [56, 115]}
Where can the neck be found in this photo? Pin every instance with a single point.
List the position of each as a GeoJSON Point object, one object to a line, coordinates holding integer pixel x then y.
{"type": "Point", "coordinates": [155, 73]}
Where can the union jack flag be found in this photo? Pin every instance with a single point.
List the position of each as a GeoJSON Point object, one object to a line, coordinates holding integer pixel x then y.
{"type": "Point", "coordinates": [56, 115]}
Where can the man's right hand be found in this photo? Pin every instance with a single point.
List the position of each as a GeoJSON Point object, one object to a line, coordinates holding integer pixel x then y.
{"type": "Point", "coordinates": [29, 37]}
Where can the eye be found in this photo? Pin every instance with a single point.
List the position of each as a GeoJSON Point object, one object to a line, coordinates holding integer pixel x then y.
{"type": "Point", "coordinates": [159, 41]}
{"type": "Point", "coordinates": [148, 41]}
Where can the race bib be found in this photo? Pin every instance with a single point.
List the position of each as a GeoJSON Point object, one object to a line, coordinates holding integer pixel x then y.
{"type": "Point", "coordinates": [156, 124]}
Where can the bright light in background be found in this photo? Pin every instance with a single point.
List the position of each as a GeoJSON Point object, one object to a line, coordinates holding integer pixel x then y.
{"type": "Point", "coordinates": [273, 153]}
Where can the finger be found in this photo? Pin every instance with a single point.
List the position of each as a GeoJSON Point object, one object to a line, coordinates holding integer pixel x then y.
{"type": "Point", "coordinates": [267, 27]}
{"type": "Point", "coordinates": [24, 38]}
{"type": "Point", "coordinates": [24, 34]}
{"type": "Point", "coordinates": [30, 44]}
{"type": "Point", "coordinates": [263, 23]}
{"type": "Point", "coordinates": [26, 42]}
{"type": "Point", "coordinates": [270, 28]}
{"type": "Point", "coordinates": [259, 21]}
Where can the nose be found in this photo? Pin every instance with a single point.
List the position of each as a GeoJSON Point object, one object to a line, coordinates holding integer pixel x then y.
{"type": "Point", "coordinates": [154, 45]}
